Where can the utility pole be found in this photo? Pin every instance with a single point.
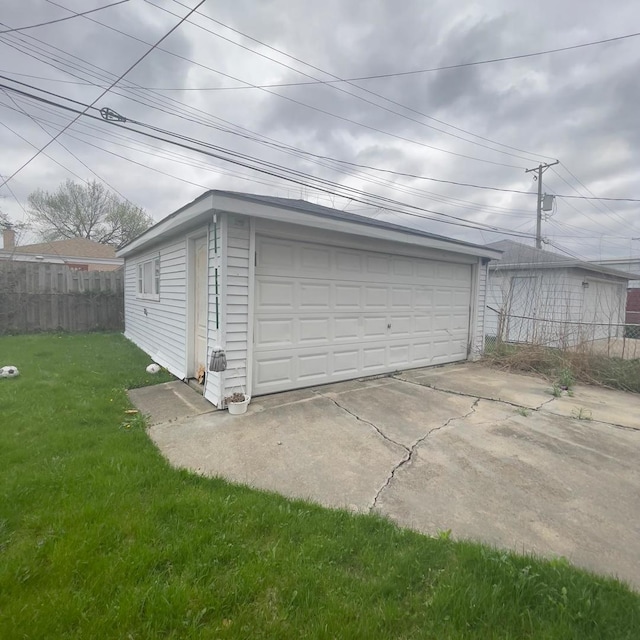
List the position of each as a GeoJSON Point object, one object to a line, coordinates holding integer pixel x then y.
{"type": "Point", "coordinates": [540, 170]}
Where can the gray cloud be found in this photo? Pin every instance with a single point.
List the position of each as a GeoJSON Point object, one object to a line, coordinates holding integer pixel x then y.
{"type": "Point", "coordinates": [579, 106]}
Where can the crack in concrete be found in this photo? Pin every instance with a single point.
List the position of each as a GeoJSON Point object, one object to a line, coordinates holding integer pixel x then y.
{"type": "Point", "coordinates": [513, 404]}
{"type": "Point", "coordinates": [357, 417]}
{"type": "Point", "coordinates": [411, 451]}
{"type": "Point", "coordinates": [473, 395]}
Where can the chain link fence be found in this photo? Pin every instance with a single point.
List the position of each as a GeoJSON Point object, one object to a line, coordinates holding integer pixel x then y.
{"type": "Point", "coordinates": [614, 340]}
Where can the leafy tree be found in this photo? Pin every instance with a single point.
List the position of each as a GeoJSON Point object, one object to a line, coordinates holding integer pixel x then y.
{"type": "Point", "coordinates": [86, 211]}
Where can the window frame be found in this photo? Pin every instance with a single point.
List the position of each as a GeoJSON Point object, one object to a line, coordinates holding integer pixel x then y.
{"type": "Point", "coordinates": [153, 264]}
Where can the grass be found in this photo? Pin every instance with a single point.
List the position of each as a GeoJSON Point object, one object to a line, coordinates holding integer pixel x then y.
{"type": "Point", "coordinates": [565, 367]}
{"type": "Point", "coordinates": [100, 538]}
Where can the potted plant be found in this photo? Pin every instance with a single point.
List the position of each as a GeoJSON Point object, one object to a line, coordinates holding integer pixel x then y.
{"type": "Point", "coordinates": [237, 403]}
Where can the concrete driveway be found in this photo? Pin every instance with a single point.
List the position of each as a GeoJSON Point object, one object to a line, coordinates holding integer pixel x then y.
{"type": "Point", "coordinates": [492, 456]}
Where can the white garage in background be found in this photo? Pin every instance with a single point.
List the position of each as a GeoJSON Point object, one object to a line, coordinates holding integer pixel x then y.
{"type": "Point", "coordinates": [298, 294]}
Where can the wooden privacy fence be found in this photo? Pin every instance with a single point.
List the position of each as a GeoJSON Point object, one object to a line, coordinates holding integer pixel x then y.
{"type": "Point", "coordinates": [51, 297]}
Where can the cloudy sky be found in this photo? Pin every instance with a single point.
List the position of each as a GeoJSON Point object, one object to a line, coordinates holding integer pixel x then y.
{"type": "Point", "coordinates": [212, 81]}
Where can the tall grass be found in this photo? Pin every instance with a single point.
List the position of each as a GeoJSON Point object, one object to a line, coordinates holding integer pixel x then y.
{"type": "Point", "coordinates": [552, 363]}
{"type": "Point", "coordinates": [101, 538]}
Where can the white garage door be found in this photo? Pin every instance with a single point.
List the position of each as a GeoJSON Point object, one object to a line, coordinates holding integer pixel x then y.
{"type": "Point", "coordinates": [324, 314]}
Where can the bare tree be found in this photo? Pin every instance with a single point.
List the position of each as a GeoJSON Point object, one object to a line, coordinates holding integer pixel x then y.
{"type": "Point", "coordinates": [86, 211]}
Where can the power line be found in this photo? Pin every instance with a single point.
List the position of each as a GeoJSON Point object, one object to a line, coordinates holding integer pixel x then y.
{"type": "Point", "coordinates": [428, 195]}
{"type": "Point", "coordinates": [298, 151]}
{"type": "Point", "coordinates": [181, 158]}
{"type": "Point", "coordinates": [86, 166]}
{"type": "Point", "coordinates": [365, 166]}
{"type": "Point", "coordinates": [297, 177]}
{"type": "Point", "coordinates": [310, 106]}
{"type": "Point", "coordinates": [44, 24]}
{"type": "Point", "coordinates": [140, 59]}
{"type": "Point", "coordinates": [442, 68]}
{"type": "Point", "coordinates": [337, 88]}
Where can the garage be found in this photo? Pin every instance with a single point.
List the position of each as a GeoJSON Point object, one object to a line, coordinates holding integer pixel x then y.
{"type": "Point", "coordinates": [325, 313]}
{"type": "Point", "coordinates": [259, 294]}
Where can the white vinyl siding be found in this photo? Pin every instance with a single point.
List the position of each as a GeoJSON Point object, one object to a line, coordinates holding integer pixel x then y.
{"type": "Point", "coordinates": [236, 303]}
{"type": "Point", "coordinates": [158, 327]}
{"type": "Point", "coordinates": [214, 384]}
{"type": "Point", "coordinates": [555, 306]}
{"type": "Point", "coordinates": [477, 346]}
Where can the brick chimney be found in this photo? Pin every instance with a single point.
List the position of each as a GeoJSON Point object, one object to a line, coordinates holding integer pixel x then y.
{"type": "Point", "coordinates": [8, 238]}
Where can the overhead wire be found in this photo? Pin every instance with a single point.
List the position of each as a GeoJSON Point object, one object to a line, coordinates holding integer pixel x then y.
{"type": "Point", "coordinates": [297, 177]}
{"type": "Point", "coordinates": [449, 202]}
{"type": "Point", "coordinates": [460, 65]}
{"type": "Point", "coordinates": [341, 90]}
{"type": "Point", "coordinates": [86, 166]}
{"type": "Point", "coordinates": [259, 138]}
{"type": "Point", "coordinates": [77, 15]}
{"type": "Point", "coordinates": [274, 144]}
{"type": "Point", "coordinates": [362, 175]}
{"type": "Point", "coordinates": [130, 68]}
{"type": "Point", "coordinates": [176, 157]}
{"type": "Point", "coordinates": [313, 107]}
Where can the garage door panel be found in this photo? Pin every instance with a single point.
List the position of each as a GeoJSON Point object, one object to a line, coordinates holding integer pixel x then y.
{"type": "Point", "coordinates": [373, 358]}
{"type": "Point", "coordinates": [346, 328]}
{"type": "Point", "coordinates": [315, 258]}
{"type": "Point", "coordinates": [275, 332]}
{"type": "Point", "coordinates": [277, 254]}
{"type": "Point", "coordinates": [274, 371]}
{"type": "Point", "coordinates": [425, 270]}
{"type": "Point", "coordinates": [378, 264]}
{"type": "Point", "coordinates": [401, 297]}
{"type": "Point", "coordinates": [422, 298]}
{"type": "Point", "coordinates": [375, 297]}
{"type": "Point", "coordinates": [275, 295]}
{"type": "Point", "coordinates": [348, 263]}
{"type": "Point", "coordinates": [335, 314]}
{"type": "Point", "coordinates": [313, 330]}
{"type": "Point", "coordinates": [401, 326]}
{"type": "Point", "coordinates": [347, 297]}
{"type": "Point", "coordinates": [402, 267]}
{"type": "Point", "coordinates": [399, 354]}
{"type": "Point", "coordinates": [346, 362]}
{"type": "Point", "coordinates": [314, 367]}
{"type": "Point", "coordinates": [374, 327]}
{"type": "Point", "coordinates": [423, 325]}
{"type": "Point", "coordinates": [315, 296]}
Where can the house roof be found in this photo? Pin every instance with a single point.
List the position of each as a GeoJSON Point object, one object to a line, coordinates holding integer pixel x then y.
{"type": "Point", "coordinates": [69, 248]}
{"type": "Point", "coordinates": [297, 211]}
{"type": "Point", "coordinates": [521, 256]}
{"type": "Point", "coordinates": [72, 251]}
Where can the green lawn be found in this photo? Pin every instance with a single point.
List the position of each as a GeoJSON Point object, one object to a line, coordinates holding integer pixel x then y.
{"type": "Point", "coordinates": [100, 538]}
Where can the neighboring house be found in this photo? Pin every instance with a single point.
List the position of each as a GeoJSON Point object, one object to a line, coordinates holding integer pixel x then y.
{"type": "Point", "coordinates": [633, 309]}
{"type": "Point", "coordinates": [298, 294]}
{"type": "Point", "coordinates": [632, 265]}
{"type": "Point", "coordinates": [76, 253]}
{"type": "Point", "coordinates": [633, 292]}
{"type": "Point", "coordinates": [540, 297]}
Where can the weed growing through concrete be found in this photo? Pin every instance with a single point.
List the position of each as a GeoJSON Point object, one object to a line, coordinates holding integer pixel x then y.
{"type": "Point", "coordinates": [566, 379]}
{"type": "Point", "coordinates": [523, 411]}
{"type": "Point", "coordinates": [580, 413]}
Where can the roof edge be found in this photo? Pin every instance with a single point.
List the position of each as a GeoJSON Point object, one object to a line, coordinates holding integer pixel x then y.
{"type": "Point", "coordinates": [236, 202]}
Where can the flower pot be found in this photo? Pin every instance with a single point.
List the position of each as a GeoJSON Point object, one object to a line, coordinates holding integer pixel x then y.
{"type": "Point", "coordinates": [238, 408]}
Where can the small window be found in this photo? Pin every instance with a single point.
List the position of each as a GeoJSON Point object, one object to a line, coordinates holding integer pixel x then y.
{"type": "Point", "coordinates": [149, 279]}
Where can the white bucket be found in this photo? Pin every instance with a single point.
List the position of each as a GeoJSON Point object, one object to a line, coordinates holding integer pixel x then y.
{"type": "Point", "coordinates": [238, 408]}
